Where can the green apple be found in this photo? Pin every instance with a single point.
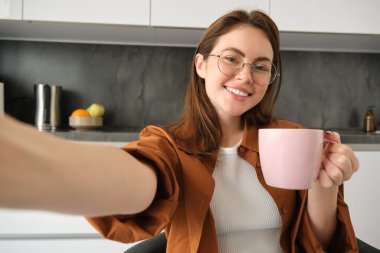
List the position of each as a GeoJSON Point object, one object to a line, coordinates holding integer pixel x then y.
{"type": "Point", "coordinates": [96, 110]}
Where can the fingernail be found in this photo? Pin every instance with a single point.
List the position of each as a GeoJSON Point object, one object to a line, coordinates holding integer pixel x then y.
{"type": "Point", "coordinates": [327, 137]}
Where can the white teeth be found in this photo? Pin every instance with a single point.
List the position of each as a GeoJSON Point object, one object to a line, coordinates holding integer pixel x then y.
{"type": "Point", "coordinates": [237, 92]}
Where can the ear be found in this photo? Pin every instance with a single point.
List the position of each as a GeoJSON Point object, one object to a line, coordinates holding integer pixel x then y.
{"type": "Point", "coordinates": [200, 65]}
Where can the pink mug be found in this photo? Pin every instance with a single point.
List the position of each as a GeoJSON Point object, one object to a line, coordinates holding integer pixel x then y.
{"type": "Point", "coordinates": [290, 158]}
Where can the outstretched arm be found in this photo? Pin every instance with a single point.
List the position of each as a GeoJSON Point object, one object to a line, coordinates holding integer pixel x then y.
{"type": "Point", "coordinates": [39, 171]}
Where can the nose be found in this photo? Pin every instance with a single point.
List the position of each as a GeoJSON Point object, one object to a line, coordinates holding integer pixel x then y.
{"type": "Point", "coordinates": [245, 73]}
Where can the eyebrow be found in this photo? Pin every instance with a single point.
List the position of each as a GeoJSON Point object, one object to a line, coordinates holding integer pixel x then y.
{"type": "Point", "coordinates": [261, 58]}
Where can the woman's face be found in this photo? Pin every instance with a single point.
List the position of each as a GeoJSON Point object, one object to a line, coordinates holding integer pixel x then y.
{"type": "Point", "coordinates": [232, 95]}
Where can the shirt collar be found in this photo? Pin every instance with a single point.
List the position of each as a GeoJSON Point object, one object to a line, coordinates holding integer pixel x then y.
{"type": "Point", "coordinates": [249, 141]}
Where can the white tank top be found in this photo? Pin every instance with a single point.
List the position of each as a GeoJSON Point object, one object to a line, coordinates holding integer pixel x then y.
{"type": "Point", "coordinates": [246, 216]}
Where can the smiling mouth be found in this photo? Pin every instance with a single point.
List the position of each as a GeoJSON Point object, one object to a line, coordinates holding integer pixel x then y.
{"type": "Point", "coordinates": [237, 92]}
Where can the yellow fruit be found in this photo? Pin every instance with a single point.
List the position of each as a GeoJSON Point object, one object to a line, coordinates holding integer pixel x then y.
{"type": "Point", "coordinates": [96, 110]}
{"type": "Point", "coordinates": [80, 113]}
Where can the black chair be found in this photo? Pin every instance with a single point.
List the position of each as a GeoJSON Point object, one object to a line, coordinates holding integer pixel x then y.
{"type": "Point", "coordinates": [366, 248]}
{"type": "Point", "coordinates": [158, 245]}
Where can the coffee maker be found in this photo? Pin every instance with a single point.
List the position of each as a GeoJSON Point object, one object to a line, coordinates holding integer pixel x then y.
{"type": "Point", "coordinates": [48, 106]}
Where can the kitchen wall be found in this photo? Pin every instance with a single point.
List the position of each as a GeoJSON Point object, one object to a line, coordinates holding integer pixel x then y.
{"type": "Point", "coordinates": [146, 85]}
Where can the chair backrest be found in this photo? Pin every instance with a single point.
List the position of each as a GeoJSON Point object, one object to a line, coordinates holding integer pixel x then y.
{"type": "Point", "coordinates": [158, 245]}
{"type": "Point", "coordinates": [366, 248]}
{"type": "Point", "coordinates": [152, 245]}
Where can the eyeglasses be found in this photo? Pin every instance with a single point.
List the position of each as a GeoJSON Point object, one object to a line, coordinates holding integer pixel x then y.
{"type": "Point", "coordinates": [230, 63]}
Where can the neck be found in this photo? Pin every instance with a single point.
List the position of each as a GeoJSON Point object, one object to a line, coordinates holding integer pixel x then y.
{"type": "Point", "coordinates": [232, 131]}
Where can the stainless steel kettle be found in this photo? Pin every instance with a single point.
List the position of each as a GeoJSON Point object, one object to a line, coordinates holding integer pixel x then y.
{"type": "Point", "coordinates": [48, 106]}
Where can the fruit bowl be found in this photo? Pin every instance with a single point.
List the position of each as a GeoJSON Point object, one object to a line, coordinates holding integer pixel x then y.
{"type": "Point", "coordinates": [85, 123]}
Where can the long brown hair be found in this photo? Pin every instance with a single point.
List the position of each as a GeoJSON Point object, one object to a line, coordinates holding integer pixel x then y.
{"type": "Point", "coordinates": [198, 127]}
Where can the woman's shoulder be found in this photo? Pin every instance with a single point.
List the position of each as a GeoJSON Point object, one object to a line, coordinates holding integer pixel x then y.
{"type": "Point", "coordinates": [281, 123]}
{"type": "Point", "coordinates": [162, 136]}
{"type": "Point", "coordinates": [154, 144]}
{"type": "Point", "coordinates": [153, 130]}
{"type": "Point", "coordinates": [156, 134]}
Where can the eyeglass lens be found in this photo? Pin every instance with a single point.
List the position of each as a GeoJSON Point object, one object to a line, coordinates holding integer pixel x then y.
{"type": "Point", "coordinates": [230, 63]}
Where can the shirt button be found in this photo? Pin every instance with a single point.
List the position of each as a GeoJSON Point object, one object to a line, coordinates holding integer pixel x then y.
{"type": "Point", "coordinates": [241, 149]}
{"type": "Point", "coordinates": [284, 211]}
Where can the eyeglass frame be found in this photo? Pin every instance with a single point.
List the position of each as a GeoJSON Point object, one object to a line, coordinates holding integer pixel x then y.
{"type": "Point", "coordinates": [275, 74]}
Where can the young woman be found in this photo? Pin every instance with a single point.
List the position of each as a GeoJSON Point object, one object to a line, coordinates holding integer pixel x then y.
{"type": "Point", "coordinates": [199, 179]}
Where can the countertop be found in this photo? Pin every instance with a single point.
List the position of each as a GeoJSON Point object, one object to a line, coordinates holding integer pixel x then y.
{"type": "Point", "coordinates": [99, 135]}
{"type": "Point", "coordinates": [355, 138]}
{"type": "Point", "coordinates": [358, 140]}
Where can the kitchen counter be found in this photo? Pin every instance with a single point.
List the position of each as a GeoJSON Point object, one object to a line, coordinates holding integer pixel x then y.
{"type": "Point", "coordinates": [99, 135]}
{"type": "Point", "coordinates": [359, 140]}
{"type": "Point", "coordinates": [356, 138]}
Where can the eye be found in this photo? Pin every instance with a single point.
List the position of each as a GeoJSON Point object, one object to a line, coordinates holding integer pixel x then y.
{"type": "Point", "coordinates": [232, 59]}
{"type": "Point", "coordinates": [261, 67]}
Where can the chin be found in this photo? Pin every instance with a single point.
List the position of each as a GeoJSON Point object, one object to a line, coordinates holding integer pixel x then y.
{"type": "Point", "coordinates": [235, 112]}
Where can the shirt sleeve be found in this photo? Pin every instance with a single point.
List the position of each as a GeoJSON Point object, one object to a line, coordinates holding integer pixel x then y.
{"type": "Point", "coordinates": [161, 154]}
{"type": "Point", "coordinates": [344, 239]}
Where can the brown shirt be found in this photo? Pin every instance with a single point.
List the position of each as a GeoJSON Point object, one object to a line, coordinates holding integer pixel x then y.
{"type": "Point", "coordinates": [185, 188]}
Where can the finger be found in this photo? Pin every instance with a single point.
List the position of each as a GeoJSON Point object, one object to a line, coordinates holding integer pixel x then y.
{"type": "Point", "coordinates": [341, 161]}
{"type": "Point", "coordinates": [336, 174]}
{"type": "Point", "coordinates": [355, 163]}
{"type": "Point", "coordinates": [333, 137]}
{"type": "Point", "coordinates": [343, 164]}
{"type": "Point", "coordinates": [346, 151]}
